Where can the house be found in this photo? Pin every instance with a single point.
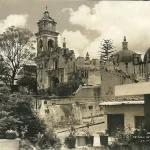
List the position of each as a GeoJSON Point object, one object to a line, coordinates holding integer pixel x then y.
{"type": "Point", "coordinates": [130, 107]}
{"type": "Point", "coordinates": [123, 115]}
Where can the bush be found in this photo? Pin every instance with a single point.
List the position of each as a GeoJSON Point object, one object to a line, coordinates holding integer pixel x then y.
{"type": "Point", "coordinates": [126, 139]}
{"type": "Point", "coordinates": [68, 88]}
{"type": "Point", "coordinates": [70, 140]}
{"type": "Point", "coordinates": [17, 113]}
{"type": "Point", "coordinates": [5, 90]}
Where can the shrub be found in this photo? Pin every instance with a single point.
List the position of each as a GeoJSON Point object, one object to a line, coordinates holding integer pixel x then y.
{"type": "Point", "coordinates": [17, 113]}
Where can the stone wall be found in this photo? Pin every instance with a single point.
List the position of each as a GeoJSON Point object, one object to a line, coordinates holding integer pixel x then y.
{"type": "Point", "coordinates": [54, 114]}
{"type": "Point", "coordinates": [108, 82]}
{"type": "Point", "coordinates": [84, 102]}
{"type": "Point", "coordinates": [9, 144]}
{"type": "Point", "coordinates": [88, 108]}
{"type": "Point", "coordinates": [94, 77]}
{"type": "Point", "coordinates": [87, 93]}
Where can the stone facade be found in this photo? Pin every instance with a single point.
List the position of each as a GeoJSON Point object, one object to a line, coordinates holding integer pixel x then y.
{"type": "Point", "coordinates": [56, 64]}
{"type": "Point", "coordinates": [109, 79]}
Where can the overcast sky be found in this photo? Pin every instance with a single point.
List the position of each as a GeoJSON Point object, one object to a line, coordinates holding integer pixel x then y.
{"type": "Point", "coordinates": [85, 23]}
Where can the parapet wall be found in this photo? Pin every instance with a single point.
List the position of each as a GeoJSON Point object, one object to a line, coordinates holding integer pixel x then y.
{"type": "Point", "coordinates": [9, 144]}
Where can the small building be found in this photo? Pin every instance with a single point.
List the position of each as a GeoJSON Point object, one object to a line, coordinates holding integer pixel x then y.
{"type": "Point", "coordinates": [123, 114]}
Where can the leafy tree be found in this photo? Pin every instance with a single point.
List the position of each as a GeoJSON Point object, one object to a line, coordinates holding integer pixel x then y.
{"type": "Point", "coordinates": [67, 88]}
{"type": "Point", "coordinates": [107, 49]}
{"type": "Point", "coordinates": [16, 112]}
{"type": "Point", "coordinates": [16, 47]}
{"type": "Point", "coordinates": [29, 82]}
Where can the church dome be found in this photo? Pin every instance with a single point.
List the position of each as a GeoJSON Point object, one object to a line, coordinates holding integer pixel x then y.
{"type": "Point", "coordinates": [125, 55]}
{"type": "Point", "coordinates": [147, 55]}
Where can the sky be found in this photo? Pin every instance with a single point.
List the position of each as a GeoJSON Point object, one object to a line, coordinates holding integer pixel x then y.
{"type": "Point", "coordinates": [84, 24]}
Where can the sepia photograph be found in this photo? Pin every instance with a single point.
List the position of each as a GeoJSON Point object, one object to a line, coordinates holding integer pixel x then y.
{"type": "Point", "coordinates": [74, 75]}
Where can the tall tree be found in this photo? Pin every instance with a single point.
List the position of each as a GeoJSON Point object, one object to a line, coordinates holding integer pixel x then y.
{"type": "Point", "coordinates": [106, 49]}
{"type": "Point", "coordinates": [16, 46]}
{"type": "Point", "coordinates": [28, 78]}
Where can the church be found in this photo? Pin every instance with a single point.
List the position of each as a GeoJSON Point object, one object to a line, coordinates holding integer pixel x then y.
{"type": "Point", "coordinates": [130, 62]}
{"type": "Point", "coordinates": [58, 64]}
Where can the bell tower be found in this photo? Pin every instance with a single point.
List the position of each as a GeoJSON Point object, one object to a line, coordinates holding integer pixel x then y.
{"type": "Point", "coordinates": [46, 44]}
{"type": "Point", "coordinates": [46, 35]}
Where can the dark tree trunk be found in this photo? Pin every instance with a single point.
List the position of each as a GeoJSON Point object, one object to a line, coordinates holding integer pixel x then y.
{"type": "Point", "coordinates": [12, 81]}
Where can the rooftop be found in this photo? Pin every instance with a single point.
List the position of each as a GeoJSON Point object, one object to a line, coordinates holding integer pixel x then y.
{"type": "Point", "coordinates": [121, 103]}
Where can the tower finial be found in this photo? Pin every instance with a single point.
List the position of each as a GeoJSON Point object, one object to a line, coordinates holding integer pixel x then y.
{"type": "Point", "coordinates": [124, 44]}
{"type": "Point", "coordinates": [87, 56]}
{"type": "Point", "coordinates": [124, 39]}
{"type": "Point", "coordinates": [46, 7]}
{"type": "Point", "coordinates": [64, 43]}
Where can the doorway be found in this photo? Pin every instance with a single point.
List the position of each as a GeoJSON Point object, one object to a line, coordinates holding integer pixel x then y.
{"type": "Point", "coordinates": [115, 122]}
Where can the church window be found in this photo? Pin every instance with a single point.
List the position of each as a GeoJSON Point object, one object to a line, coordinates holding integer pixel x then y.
{"type": "Point", "coordinates": [55, 64]}
{"type": "Point", "coordinates": [45, 102]}
{"type": "Point", "coordinates": [50, 43]}
{"type": "Point", "coordinates": [41, 44]}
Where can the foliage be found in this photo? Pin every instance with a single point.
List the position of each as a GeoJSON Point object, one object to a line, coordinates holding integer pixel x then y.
{"type": "Point", "coordinates": [67, 109]}
{"type": "Point", "coordinates": [5, 90]}
{"type": "Point", "coordinates": [28, 78]}
{"type": "Point", "coordinates": [87, 132]}
{"type": "Point", "coordinates": [126, 139]}
{"type": "Point", "coordinates": [16, 113]}
{"type": "Point", "coordinates": [29, 82]}
{"type": "Point", "coordinates": [68, 88]}
{"type": "Point", "coordinates": [26, 145]}
{"type": "Point", "coordinates": [67, 56]}
{"type": "Point", "coordinates": [106, 46]}
{"type": "Point", "coordinates": [49, 139]}
{"type": "Point", "coordinates": [71, 136]}
{"type": "Point", "coordinates": [16, 47]}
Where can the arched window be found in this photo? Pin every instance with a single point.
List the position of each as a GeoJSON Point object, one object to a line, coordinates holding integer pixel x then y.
{"type": "Point", "coordinates": [41, 45]}
{"type": "Point", "coordinates": [50, 43]}
{"type": "Point", "coordinates": [56, 64]}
